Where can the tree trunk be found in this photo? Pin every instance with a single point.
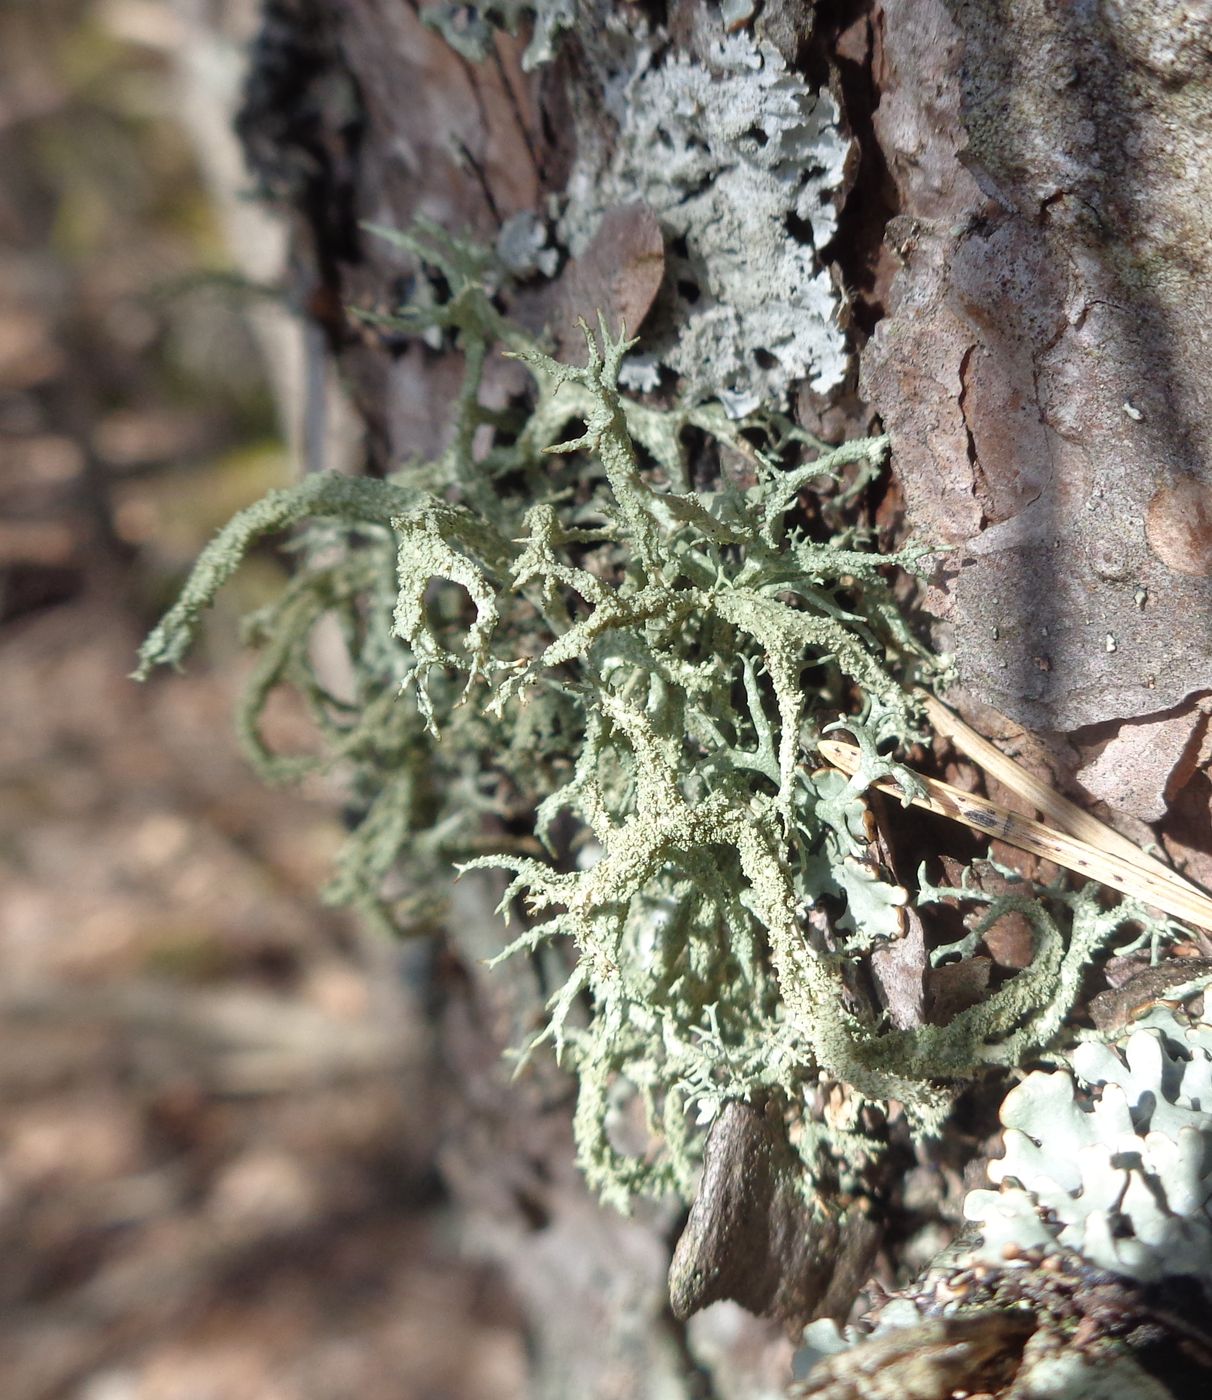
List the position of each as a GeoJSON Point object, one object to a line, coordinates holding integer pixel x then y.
{"type": "Point", "coordinates": [1010, 221]}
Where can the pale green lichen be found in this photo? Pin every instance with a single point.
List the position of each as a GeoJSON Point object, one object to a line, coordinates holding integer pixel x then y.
{"type": "Point", "coordinates": [1110, 1155]}
{"type": "Point", "coordinates": [741, 162]}
{"type": "Point", "coordinates": [1105, 1184]}
{"type": "Point", "coordinates": [543, 629]}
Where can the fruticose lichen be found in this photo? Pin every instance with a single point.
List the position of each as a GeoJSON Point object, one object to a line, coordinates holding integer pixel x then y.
{"type": "Point", "coordinates": [614, 684]}
{"type": "Point", "coordinates": [740, 161]}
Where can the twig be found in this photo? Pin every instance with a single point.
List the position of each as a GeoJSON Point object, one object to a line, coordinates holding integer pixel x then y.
{"type": "Point", "coordinates": [1135, 878]}
{"type": "Point", "coordinates": [1049, 803]}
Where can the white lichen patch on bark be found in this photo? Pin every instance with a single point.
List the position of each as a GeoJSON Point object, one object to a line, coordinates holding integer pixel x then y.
{"type": "Point", "coordinates": [740, 160]}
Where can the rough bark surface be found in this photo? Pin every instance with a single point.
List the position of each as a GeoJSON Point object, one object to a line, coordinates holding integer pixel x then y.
{"type": "Point", "coordinates": [1042, 366]}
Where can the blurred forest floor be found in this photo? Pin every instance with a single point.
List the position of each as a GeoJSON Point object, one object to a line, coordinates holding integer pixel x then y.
{"type": "Point", "coordinates": [217, 1118]}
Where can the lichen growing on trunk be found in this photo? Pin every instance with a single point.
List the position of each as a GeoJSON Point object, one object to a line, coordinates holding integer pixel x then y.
{"type": "Point", "coordinates": [548, 638]}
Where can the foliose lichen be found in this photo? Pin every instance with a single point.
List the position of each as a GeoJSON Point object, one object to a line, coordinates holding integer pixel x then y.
{"type": "Point", "coordinates": [742, 163]}
{"type": "Point", "coordinates": [1105, 1189]}
{"type": "Point", "coordinates": [740, 160]}
{"type": "Point", "coordinates": [1110, 1155]}
{"type": "Point", "coordinates": [469, 28]}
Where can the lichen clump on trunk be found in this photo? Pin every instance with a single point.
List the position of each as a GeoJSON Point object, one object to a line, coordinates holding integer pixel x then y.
{"type": "Point", "coordinates": [614, 683]}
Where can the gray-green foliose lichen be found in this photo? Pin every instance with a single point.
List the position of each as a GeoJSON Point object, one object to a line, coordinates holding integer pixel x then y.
{"type": "Point", "coordinates": [740, 160]}
{"type": "Point", "coordinates": [469, 29]}
{"type": "Point", "coordinates": [540, 625]}
{"type": "Point", "coordinates": [731, 154]}
{"type": "Point", "coordinates": [1110, 1155]}
{"type": "Point", "coordinates": [1106, 1171]}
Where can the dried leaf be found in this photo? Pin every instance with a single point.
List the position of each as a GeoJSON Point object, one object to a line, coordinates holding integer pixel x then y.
{"type": "Point", "coordinates": [618, 274]}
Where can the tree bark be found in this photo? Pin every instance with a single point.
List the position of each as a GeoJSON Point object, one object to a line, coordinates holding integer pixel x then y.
{"type": "Point", "coordinates": [1023, 239]}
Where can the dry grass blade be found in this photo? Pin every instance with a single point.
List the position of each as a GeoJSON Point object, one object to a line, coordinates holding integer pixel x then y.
{"type": "Point", "coordinates": [1050, 804]}
{"type": "Point", "coordinates": [1130, 878]}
